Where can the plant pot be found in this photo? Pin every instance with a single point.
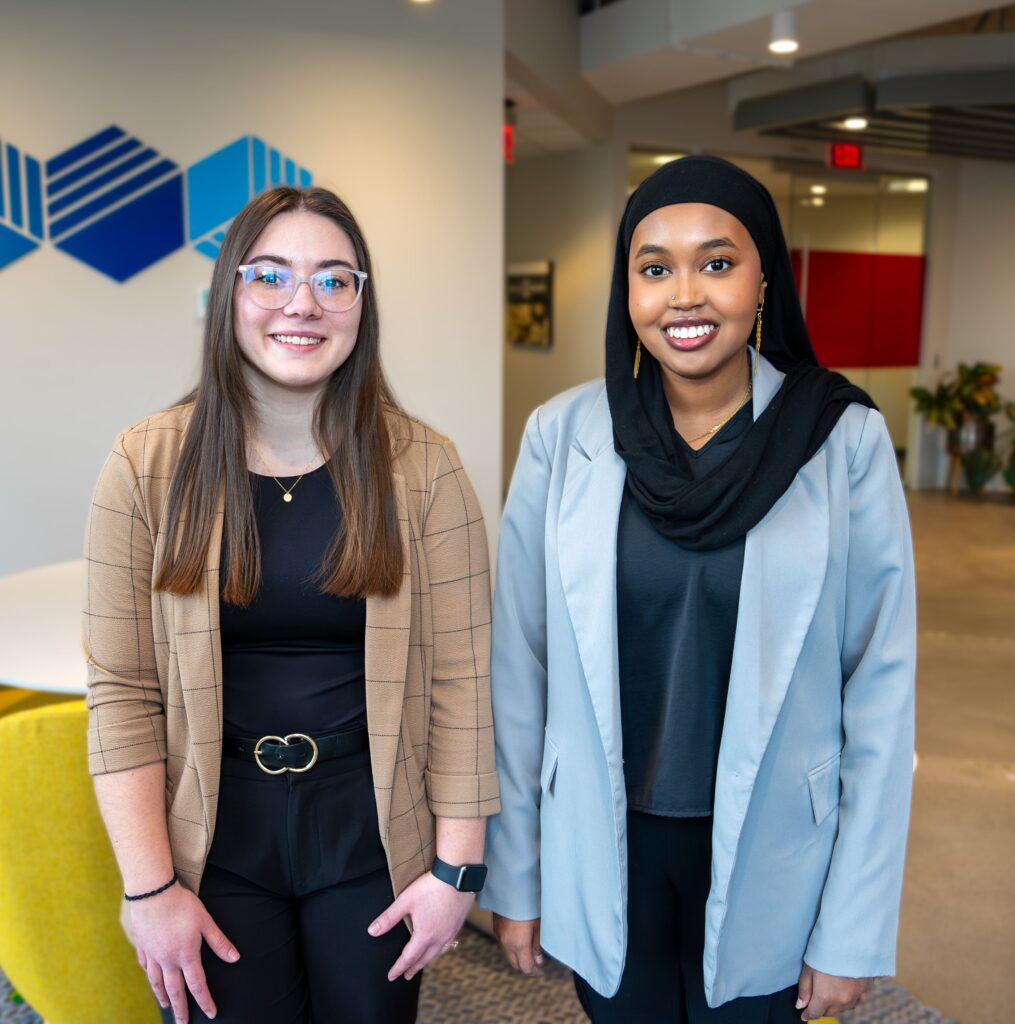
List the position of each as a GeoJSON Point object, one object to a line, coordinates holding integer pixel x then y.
{"type": "Point", "coordinates": [976, 431]}
{"type": "Point", "coordinates": [979, 467]}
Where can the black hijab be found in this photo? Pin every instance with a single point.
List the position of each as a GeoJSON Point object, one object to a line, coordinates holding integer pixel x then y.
{"type": "Point", "coordinates": [721, 507]}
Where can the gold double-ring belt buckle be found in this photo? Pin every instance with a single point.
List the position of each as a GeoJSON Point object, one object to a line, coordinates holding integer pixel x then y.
{"type": "Point", "coordinates": [285, 741]}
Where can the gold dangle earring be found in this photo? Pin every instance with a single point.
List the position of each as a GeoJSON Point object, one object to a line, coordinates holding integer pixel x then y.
{"type": "Point", "coordinates": [637, 359]}
{"type": "Point", "coordinates": [757, 340]}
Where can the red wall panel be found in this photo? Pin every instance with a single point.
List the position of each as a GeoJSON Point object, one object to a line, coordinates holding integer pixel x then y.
{"type": "Point", "coordinates": [863, 309]}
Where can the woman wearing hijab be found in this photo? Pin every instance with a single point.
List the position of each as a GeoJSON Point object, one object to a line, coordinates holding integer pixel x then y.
{"type": "Point", "coordinates": [703, 647]}
{"type": "Point", "coordinates": [287, 638]}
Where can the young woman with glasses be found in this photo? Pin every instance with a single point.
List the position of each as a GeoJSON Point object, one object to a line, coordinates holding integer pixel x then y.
{"type": "Point", "coordinates": [287, 637]}
{"type": "Point", "coordinates": [703, 646]}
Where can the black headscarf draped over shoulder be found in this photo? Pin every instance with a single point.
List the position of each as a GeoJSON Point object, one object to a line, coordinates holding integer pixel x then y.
{"type": "Point", "coordinates": [717, 509]}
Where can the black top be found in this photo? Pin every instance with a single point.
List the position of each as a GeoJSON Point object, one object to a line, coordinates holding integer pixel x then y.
{"type": "Point", "coordinates": [292, 661]}
{"type": "Point", "coordinates": [676, 619]}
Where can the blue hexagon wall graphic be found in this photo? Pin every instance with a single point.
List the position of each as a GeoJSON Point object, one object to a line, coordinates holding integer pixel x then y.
{"type": "Point", "coordinates": [114, 203]}
{"type": "Point", "coordinates": [220, 185]}
{"type": "Point", "coordinates": [119, 206]}
{"type": "Point", "coordinates": [20, 204]}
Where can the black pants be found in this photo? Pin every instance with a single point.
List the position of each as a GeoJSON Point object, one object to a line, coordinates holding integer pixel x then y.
{"type": "Point", "coordinates": [669, 872]}
{"type": "Point", "coordinates": [295, 874]}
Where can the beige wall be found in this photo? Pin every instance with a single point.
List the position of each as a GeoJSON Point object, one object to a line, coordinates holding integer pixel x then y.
{"type": "Point", "coordinates": [397, 107]}
{"type": "Point", "coordinates": [560, 208]}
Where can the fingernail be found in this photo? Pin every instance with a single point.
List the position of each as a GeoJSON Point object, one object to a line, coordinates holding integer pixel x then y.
{"type": "Point", "coordinates": [374, 928]}
{"type": "Point", "coordinates": [800, 1004]}
{"type": "Point", "coordinates": [539, 958]}
{"type": "Point", "coordinates": [233, 956]}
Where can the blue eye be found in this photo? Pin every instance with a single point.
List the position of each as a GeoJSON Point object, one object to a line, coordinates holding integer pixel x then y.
{"type": "Point", "coordinates": [267, 277]}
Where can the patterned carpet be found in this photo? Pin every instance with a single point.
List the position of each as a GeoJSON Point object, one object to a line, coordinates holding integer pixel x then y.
{"type": "Point", "coordinates": [473, 985]}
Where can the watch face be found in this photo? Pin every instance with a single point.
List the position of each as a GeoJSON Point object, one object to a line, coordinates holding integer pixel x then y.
{"type": "Point", "coordinates": [473, 877]}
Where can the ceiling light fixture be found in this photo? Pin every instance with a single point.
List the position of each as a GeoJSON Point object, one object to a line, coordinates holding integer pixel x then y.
{"type": "Point", "coordinates": [665, 158]}
{"type": "Point", "coordinates": [783, 39]}
{"type": "Point", "coordinates": [855, 124]}
{"type": "Point", "coordinates": [917, 185]}
{"type": "Point", "coordinates": [818, 201]}
{"type": "Point", "coordinates": [819, 190]}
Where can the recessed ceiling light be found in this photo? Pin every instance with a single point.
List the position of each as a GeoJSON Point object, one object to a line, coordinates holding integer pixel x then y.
{"type": "Point", "coordinates": [917, 185]}
{"type": "Point", "coordinates": [855, 124]}
{"type": "Point", "coordinates": [818, 201]}
{"type": "Point", "coordinates": [819, 190]}
{"type": "Point", "coordinates": [665, 158]}
{"type": "Point", "coordinates": [783, 39]}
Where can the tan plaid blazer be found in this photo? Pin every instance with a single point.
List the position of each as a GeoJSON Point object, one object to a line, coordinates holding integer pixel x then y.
{"type": "Point", "coordinates": [155, 661]}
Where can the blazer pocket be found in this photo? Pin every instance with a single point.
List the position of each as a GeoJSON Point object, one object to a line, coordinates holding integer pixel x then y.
{"type": "Point", "coordinates": [549, 770]}
{"type": "Point", "coordinates": [823, 782]}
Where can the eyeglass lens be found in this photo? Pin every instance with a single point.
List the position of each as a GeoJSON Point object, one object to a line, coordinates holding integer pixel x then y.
{"type": "Point", "coordinates": [335, 289]}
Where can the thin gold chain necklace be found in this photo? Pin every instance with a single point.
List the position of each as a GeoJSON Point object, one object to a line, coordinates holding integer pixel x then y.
{"type": "Point", "coordinates": [287, 492]}
{"type": "Point", "coordinates": [722, 423]}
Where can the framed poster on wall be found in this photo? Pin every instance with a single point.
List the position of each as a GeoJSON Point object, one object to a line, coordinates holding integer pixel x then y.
{"type": "Point", "coordinates": [529, 316]}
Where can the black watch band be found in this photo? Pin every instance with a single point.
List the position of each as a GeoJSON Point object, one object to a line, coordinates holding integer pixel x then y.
{"type": "Point", "coordinates": [467, 878]}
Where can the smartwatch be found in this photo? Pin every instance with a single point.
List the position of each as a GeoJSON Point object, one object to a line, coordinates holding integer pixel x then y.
{"type": "Point", "coordinates": [467, 878]}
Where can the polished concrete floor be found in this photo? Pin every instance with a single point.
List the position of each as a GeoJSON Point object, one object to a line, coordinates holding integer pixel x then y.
{"type": "Point", "coordinates": [957, 942]}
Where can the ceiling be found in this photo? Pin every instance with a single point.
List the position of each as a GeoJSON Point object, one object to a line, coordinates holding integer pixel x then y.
{"type": "Point", "coordinates": [633, 49]}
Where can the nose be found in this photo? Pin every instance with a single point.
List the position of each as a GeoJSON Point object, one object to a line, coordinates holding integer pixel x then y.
{"type": "Point", "coordinates": [303, 303]}
{"type": "Point", "coordinates": [685, 291]}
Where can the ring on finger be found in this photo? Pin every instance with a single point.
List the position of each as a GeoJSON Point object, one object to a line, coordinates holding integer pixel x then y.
{"type": "Point", "coordinates": [449, 946]}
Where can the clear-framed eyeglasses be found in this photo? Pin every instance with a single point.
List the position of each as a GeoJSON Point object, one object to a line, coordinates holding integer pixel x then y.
{"type": "Point", "coordinates": [335, 289]}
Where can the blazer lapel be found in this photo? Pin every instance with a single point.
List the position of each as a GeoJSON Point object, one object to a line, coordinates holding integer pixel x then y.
{"type": "Point", "coordinates": [198, 645]}
{"type": "Point", "coordinates": [587, 556]}
{"type": "Point", "coordinates": [785, 561]}
{"type": "Point", "coordinates": [386, 660]}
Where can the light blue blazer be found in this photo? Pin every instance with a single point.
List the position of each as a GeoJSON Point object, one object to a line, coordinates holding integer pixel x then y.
{"type": "Point", "coordinates": [815, 764]}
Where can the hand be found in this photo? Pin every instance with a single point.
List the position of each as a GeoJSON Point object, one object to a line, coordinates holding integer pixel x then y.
{"type": "Point", "coordinates": [168, 930]}
{"type": "Point", "coordinates": [826, 995]}
{"type": "Point", "coordinates": [520, 942]}
{"type": "Point", "coordinates": [437, 911]}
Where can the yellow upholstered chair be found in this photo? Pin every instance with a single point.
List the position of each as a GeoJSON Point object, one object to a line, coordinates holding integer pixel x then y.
{"type": "Point", "coordinates": [61, 943]}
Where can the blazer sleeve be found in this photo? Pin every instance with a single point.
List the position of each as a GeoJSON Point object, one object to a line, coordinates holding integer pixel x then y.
{"type": "Point", "coordinates": [461, 780]}
{"type": "Point", "coordinates": [519, 685]}
{"type": "Point", "coordinates": [126, 716]}
{"type": "Point", "coordinates": [855, 933]}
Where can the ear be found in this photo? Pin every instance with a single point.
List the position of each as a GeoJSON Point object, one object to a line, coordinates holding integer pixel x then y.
{"type": "Point", "coordinates": [761, 292]}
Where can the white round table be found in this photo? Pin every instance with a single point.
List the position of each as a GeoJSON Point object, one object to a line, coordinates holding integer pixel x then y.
{"type": "Point", "coordinates": [40, 628]}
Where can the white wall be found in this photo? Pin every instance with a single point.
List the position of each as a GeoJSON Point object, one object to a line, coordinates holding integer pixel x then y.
{"type": "Point", "coordinates": [396, 107]}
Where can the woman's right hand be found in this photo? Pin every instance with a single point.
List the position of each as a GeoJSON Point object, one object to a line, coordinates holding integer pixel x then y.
{"type": "Point", "coordinates": [520, 942]}
{"type": "Point", "coordinates": [168, 930]}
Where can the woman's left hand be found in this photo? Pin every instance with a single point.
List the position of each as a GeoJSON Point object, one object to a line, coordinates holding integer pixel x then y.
{"type": "Point", "coordinates": [825, 995]}
{"type": "Point", "coordinates": [437, 912]}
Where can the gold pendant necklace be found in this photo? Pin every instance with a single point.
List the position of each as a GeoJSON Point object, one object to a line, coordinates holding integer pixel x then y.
{"type": "Point", "coordinates": [721, 423]}
{"type": "Point", "coordinates": [287, 493]}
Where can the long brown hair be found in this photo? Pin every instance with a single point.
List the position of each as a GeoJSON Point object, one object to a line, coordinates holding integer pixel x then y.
{"type": "Point", "coordinates": [365, 554]}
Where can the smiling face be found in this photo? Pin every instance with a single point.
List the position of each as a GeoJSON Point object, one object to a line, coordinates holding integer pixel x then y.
{"type": "Point", "coordinates": [297, 347]}
{"type": "Point", "coordinates": [694, 284]}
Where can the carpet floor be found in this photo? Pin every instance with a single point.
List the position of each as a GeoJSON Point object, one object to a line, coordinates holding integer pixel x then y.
{"type": "Point", "coordinates": [475, 986]}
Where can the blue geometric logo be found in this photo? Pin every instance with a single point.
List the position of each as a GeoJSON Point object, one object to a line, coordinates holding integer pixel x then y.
{"type": "Point", "coordinates": [119, 206]}
{"type": "Point", "coordinates": [20, 204]}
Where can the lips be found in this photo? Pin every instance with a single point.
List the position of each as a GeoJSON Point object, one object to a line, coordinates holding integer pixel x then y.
{"type": "Point", "coordinates": [687, 335]}
{"type": "Point", "coordinates": [297, 342]}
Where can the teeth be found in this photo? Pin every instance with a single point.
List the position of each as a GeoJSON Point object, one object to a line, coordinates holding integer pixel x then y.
{"type": "Point", "coordinates": [295, 339]}
{"type": "Point", "coordinates": [690, 332]}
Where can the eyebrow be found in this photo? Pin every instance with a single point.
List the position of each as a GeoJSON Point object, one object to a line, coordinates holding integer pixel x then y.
{"type": "Point", "coordinates": [283, 262]}
{"type": "Point", "coordinates": [661, 250]}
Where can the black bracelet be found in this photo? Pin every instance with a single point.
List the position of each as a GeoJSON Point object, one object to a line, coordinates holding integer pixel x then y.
{"type": "Point", "coordinates": [154, 892]}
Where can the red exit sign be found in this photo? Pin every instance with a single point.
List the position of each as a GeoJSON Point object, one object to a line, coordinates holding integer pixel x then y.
{"type": "Point", "coordinates": [845, 155]}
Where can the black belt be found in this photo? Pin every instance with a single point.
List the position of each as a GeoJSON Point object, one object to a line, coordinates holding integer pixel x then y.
{"type": "Point", "coordinates": [296, 752]}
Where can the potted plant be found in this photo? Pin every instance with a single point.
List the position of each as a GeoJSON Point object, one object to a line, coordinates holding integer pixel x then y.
{"type": "Point", "coordinates": [963, 404]}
